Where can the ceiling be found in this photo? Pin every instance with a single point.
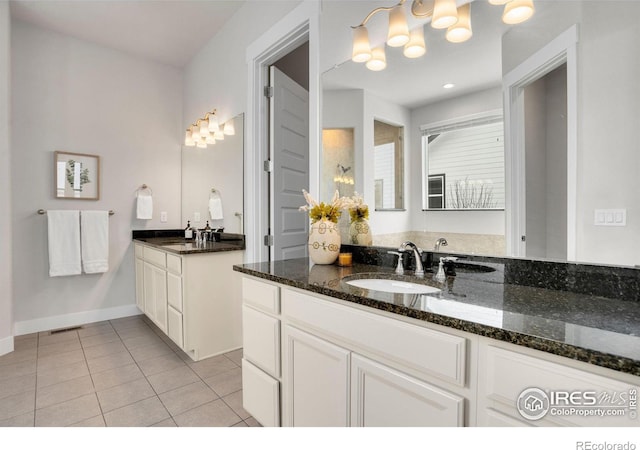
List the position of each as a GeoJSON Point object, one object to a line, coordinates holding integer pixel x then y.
{"type": "Point", "coordinates": [166, 31]}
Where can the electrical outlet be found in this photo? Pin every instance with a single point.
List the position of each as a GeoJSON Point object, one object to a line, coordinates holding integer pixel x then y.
{"type": "Point", "coordinates": [163, 216]}
{"type": "Point", "coordinates": [196, 217]}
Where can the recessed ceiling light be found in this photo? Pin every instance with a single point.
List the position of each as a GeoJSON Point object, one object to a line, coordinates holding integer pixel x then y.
{"type": "Point", "coordinates": [448, 85]}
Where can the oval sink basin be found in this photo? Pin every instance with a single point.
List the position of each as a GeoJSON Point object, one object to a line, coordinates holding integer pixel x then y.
{"type": "Point", "coordinates": [394, 286]}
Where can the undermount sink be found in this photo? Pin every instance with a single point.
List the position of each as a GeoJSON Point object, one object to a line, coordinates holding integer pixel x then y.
{"type": "Point", "coordinates": [394, 286]}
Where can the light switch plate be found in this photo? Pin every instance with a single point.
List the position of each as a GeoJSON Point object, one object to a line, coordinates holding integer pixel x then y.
{"type": "Point", "coordinates": [610, 217]}
{"type": "Point", "coordinates": [163, 216]}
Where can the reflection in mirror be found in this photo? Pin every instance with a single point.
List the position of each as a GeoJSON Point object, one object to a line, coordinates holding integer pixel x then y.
{"type": "Point", "coordinates": [338, 162]}
{"type": "Point", "coordinates": [219, 167]}
{"type": "Point", "coordinates": [464, 163]}
{"type": "Point", "coordinates": [388, 166]}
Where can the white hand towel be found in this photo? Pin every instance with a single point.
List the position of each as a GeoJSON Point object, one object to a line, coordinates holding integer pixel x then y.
{"type": "Point", "coordinates": [64, 243]}
{"type": "Point", "coordinates": [145, 207]}
{"type": "Point", "coordinates": [215, 208]}
{"type": "Point", "coordinates": [94, 227]}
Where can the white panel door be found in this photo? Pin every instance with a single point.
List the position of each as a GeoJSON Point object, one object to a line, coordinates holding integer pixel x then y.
{"type": "Point", "coordinates": [289, 123]}
{"type": "Point", "coordinates": [316, 381]}
{"type": "Point", "coordinates": [384, 397]}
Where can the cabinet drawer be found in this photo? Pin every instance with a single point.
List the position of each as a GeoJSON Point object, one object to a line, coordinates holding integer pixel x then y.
{"type": "Point", "coordinates": [410, 345]}
{"type": "Point", "coordinates": [261, 295]}
{"type": "Point", "coordinates": [155, 256]}
{"type": "Point", "coordinates": [138, 250]}
{"type": "Point", "coordinates": [174, 291]}
{"type": "Point", "coordinates": [174, 263]}
{"type": "Point", "coordinates": [174, 324]}
{"type": "Point", "coordinates": [261, 340]}
{"type": "Point", "coordinates": [260, 395]}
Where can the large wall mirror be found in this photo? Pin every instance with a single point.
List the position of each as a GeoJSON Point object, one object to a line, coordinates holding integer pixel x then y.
{"type": "Point", "coordinates": [411, 93]}
{"type": "Point", "coordinates": [215, 172]}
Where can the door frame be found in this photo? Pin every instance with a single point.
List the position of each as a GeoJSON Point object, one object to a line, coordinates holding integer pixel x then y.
{"type": "Point", "coordinates": [563, 49]}
{"type": "Point", "coordinates": [300, 25]}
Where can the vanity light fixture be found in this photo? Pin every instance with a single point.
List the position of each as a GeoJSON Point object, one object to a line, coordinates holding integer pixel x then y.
{"type": "Point", "coordinates": [443, 14]}
{"type": "Point", "coordinates": [205, 131]}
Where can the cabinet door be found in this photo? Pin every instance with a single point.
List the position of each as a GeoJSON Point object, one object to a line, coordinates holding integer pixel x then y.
{"type": "Point", "coordinates": [260, 395]}
{"type": "Point", "coordinates": [316, 384]}
{"type": "Point", "coordinates": [174, 326]}
{"type": "Point", "coordinates": [140, 284]}
{"type": "Point", "coordinates": [382, 396]}
{"type": "Point", "coordinates": [155, 295]}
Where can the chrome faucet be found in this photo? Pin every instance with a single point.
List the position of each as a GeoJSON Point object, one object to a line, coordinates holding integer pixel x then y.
{"type": "Point", "coordinates": [416, 253]}
{"type": "Point", "coordinates": [439, 242]}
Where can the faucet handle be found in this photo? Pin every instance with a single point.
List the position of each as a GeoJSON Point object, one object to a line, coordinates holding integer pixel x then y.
{"type": "Point", "coordinates": [399, 267]}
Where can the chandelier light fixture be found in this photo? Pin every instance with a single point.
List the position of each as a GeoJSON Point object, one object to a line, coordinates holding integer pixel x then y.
{"type": "Point", "coordinates": [207, 131]}
{"type": "Point", "coordinates": [444, 14]}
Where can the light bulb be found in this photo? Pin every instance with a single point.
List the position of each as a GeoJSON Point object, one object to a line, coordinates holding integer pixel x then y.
{"type": "Point", "coordinates": [461, 30]}
{"type": "Point", "coordinates": [398, 28]}
{"type": "Point", "coordinates": [445, 14]}
{"type": "Point", "coordinates": [361, 46]}
{"type": "Point", "coordinates": [517, 11]}
{"type": "Point", "coordinates": [378, 60]}
{"type": "Point", "coordinates": [416, 46]}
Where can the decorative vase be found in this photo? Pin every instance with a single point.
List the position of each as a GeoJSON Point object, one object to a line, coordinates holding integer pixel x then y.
{"type": "Point", "coordinates": [360, 232]}
{"type": "Point", "coordinates": [324, 242]}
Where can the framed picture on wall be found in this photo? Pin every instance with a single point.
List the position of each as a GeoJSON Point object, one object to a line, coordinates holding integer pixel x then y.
{"type": "Point", "coordinates": [76, 176]}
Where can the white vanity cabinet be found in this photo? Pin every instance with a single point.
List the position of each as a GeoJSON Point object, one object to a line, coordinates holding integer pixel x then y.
{"type": "Point", "coordinates": [193, 298]}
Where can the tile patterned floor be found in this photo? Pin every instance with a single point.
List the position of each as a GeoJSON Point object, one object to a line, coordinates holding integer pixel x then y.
{"type": "Point", "coordinates": [118, 373]}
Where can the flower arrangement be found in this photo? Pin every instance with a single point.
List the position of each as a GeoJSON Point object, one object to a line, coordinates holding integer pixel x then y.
{"type": "Point", "coordinates": [358, 209]}
{"type": "Point", "coordinates": [329, 211]}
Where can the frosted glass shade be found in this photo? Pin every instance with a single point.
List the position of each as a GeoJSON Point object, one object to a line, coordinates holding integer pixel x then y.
{"type": "Point", "coordinates": [204, 127]}
{"type": "Point", "coordinates": [201, 144]}
{"type": "Point", "coordinates": [517, 11]}
{"type": "Point", "coordinates": [398, 29]}
{"type": "Point", "coordinates": [219, 135]}
{"type": "Point", "coordinates": [195, 133]}
{"type": "Point", "coordinates": [361, 46]}
{"type": "Point", "coordinates": [378, 60]}
{"type": "Point", "coordinates": [416, 46]}
{"type": "Point", "coordinates": [213, 123]}
{"type": "Point", "coordinates": [188, 140]}
{"type": "Point", "coordinates": [498, 2]}
{"type": "Point", "coordinates": [445, 14]}
{"type": "Point", "coordinates": [461, 30]}
{"type": "Point", "coordinates": [229, 128]}
{"type": "Point", "coordinates": [210, 140]}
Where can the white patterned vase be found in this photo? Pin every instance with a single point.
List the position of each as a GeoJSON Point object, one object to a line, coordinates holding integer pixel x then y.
{"type": "Point", "coordinates": [360, 232]}
{"type": "Point", "coordinates": [324, 242]}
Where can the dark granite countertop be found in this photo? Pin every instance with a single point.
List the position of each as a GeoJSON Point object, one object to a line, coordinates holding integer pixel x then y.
{"type": "Point", "coordinates": [595, 329]}
{"type": "Point", "coordinates": [181, 246]}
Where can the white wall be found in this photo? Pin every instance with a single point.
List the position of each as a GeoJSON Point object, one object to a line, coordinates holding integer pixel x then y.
{"type": "Point", "coordinates": [75, 96]}
{"type": "Point", "coordinates": [483, 222]}
{"type": "Point", "coordinates": [6, 314]}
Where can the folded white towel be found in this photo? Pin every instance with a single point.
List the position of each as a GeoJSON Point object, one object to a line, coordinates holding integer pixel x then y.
{"type": "Point", "coordinates": [64, 243]}
{"type": "Point", "coordinates": [94, 227]}
{"type": "Point", "coordinates": [145, 207]}
{"type": "Point", "coordinates": [215, 208]}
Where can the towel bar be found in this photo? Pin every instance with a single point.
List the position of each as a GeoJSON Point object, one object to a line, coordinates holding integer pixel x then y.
{"type": "Point", "coordinates": [43, 211]}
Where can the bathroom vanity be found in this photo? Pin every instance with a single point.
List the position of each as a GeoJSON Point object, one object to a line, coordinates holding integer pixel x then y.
{"type": "Point", "coordinates": [191, 292]}
{"type": "Point", "coordinates": [319, 351]}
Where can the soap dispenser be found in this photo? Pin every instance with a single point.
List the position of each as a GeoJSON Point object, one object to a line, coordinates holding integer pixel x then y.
{"type": "Point", "coordinates": [440, 276]}
{"type": "Point", "coordinates": [188, 232]}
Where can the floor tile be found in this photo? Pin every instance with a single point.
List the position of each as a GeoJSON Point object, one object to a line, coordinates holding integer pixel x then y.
{"type": "Point", "coordinates": [235, 356]}
{"type": "Point", "coordinates": [56, 349]}
{"type": "Point", "coordinates": [114, 377]}
{"type": "Point", "coordinates": [127, 322]}
{"type": "Point", "coordinates": [140, 341]}
{"type": "Point", "coordinates": [165, 423]}
{"type": "Point", "coordinates": [62, 359]}
{"type": "Point", "coordinates": [17, 385]}
{"type": "Point", "coordinates": [109, 362]}
{"type": "Point", "coordinates": [62, 392]}
{"type": "Point", "coordinates": [240, 425]}
{"type": "Point", "coordinates": [125, 394]}
{"type": "Point", "coordinates": [100, 339]}
{"type": "Point", "coordinates": [60, 374]}
{"type": "Point", "coordinates": [28, 354]}
{"type": "Point", "coordinates": [17, 404]}
{"type": "Point", "coordinates": [25, 344]}
{"type": "Point", "coordinates": [187, 397]}
{"type": "Point", "coordinates": [46, 338]}
{"type": "Point", "coordinates": [133, 332]}
{"type": "Point", "coordinates": [150, 351]}
{"type": "Point", "coordinates": [141, 414]}
{"type": "Point", "coordinates": [172, 379]}
{"type": "Point", "coordinates": [235, 402]}
{"type": "Point", "coordinates": [212, 414]}
{"type": "Point", "coordinates": [17, 369]}
{"type": "Point", "coordinates": [95, 330]}
{"type": "Point", "coordinates": [25, 337]}
{"type": "Point", "coordinates": [252, 422]}
{"type": "Point", "coordinates": [23, 420]}
{"type": "Point", "coordinates": [159, 364]}
{"type": "Point", "coordinates": [226, 382]}
{"type": "Point", "coordinates": [212, 366]}
{"type": "Point", "coordinates": [97, 421]}
{"type": "Point", "coordinates": [108, 348]}
{"type": "Point", "coordinates": [68, 413]}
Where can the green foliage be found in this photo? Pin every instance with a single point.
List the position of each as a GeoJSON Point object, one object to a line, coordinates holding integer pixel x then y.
{"type": "Point", "coordinates": [84, 174]}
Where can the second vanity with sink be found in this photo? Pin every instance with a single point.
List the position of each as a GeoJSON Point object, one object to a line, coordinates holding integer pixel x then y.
{"type": "Point", "coordinates": [363, 346]}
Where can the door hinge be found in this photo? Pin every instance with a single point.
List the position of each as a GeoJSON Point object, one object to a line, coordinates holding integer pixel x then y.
{"type": "Point", "coordinates": [268, 240]}
{"type": "Point", "coordinates": [523, 238]}
{"type": "Point", "coordinates": [268, 166]}
{"type": "Point", "coordinates": [268, 91]}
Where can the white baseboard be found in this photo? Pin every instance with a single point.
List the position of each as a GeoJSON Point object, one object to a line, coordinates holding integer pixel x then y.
{"type": "Point", "coordinates": [6, 345]}
{"type": "Point", "coordinates": [74, 319]}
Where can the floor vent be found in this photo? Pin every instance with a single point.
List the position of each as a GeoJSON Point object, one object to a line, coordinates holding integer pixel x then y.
{"type": "Point", "coordinates": [64, 330]}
